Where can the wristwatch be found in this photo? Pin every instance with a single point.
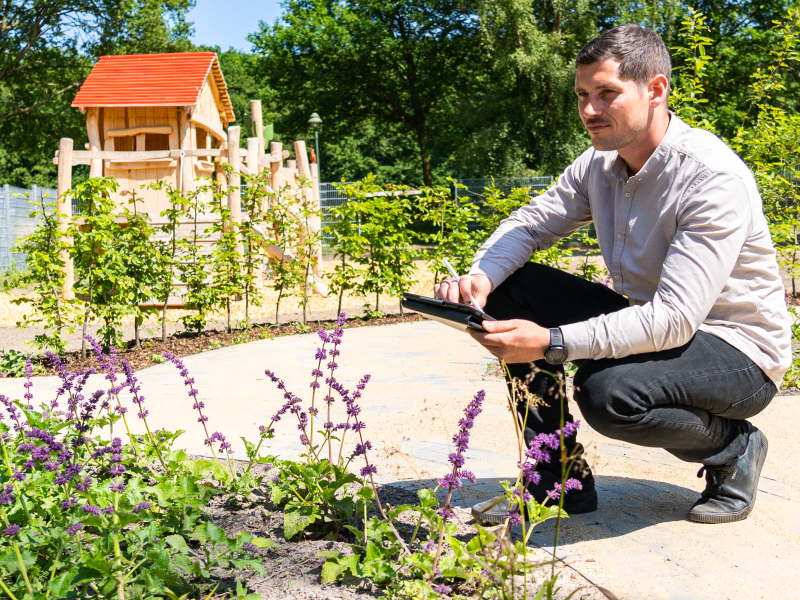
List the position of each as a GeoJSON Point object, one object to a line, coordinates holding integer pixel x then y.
{"type": "Point", "coordinates": [557, 352]}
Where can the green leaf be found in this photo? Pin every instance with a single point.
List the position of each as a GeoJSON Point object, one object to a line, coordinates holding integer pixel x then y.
{"type": "Point", "coordinates": [177, 542]}
{"type": "Point", "coordinates": [294, 523]}
{"type": "Point", "coordinates": [216, 535]}
{"type": "Point", "coordinates": [99, 564]}
{"type": "Point", "coordinates": [62, 584]}
{"type": "Point", "coordinates": [427, 498]}
{"type": "Point", "coordinates": [328, 554]}
{"type": "Point", "coordinates": [10, 562]}
{"type": "Point", "coordinates": [332, 571]}
{"type": "Point", "coordinates": [260, 542]}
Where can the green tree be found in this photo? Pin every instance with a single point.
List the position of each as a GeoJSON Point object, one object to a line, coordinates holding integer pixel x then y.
{"type": "Point", "coordinates": [403, 61]}
{"type": "Point", "coordinates": [101, 275]}
{"type": "Point", "coordinates": [383, 216]}
{"type": "Point", "coordinates": [143, 265]}
{"type": "Point", "coordinates": [45, 273]}
{"type": "Point", "coordinates": [47, 48]}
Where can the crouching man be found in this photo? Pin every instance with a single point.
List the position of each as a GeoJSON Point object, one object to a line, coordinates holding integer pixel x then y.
{"type": "Point", "coordinates": [694, 337]}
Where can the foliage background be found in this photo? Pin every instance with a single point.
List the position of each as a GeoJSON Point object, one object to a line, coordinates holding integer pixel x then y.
{"type": "Point", "coordinates": [414, 91]}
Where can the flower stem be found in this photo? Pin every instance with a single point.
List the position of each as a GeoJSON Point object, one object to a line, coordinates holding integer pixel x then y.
{"type": "Point", "coordinates": [55, 566]}
{"type": "Point", "coordinates": [7, 591]}
{"type": "Point", "coordinates": [22, 567]}
{"type": "Point", "coordinates": [13, 481]}
{"type": "Point", "coordinates": [131, 438]}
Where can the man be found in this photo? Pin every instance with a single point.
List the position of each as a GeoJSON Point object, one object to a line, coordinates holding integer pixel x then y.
{"type": "Point", "coordinates": [694, 338]}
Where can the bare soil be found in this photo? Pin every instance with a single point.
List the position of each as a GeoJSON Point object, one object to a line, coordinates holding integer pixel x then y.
{"type": "Point", "coordinates": [293, 570]}
{"type": "Point", "coordinates": [185, 344]}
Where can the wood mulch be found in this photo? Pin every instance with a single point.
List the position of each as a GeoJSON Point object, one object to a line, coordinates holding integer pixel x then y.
{"type": "Point", "coordinates": [185, 344]}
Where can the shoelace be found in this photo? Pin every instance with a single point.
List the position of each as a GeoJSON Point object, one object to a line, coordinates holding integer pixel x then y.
{"type": "Point", "coordinates": [715, 477]}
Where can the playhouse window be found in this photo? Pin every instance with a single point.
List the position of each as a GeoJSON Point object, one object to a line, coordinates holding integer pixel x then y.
{"type": "Point", "coordinates": [156, 141]}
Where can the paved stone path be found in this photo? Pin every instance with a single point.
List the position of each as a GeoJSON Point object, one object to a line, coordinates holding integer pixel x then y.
{"type": "Point", "coordinates": [639, 544]}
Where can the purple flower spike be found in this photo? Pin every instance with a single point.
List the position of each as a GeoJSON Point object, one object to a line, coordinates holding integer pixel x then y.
{"type": "Point", "coordinates": [141, 506]}
{"type": "Point", "coordinates": [368, 470]}
{"type": "Point", "coordinates": [73, 529]}
{"type": "Point", "coordinates": [11, 530]}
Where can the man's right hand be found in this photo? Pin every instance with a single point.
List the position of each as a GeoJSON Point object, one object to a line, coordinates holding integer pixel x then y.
{"type": "Point", "coordinates": [477, 287]}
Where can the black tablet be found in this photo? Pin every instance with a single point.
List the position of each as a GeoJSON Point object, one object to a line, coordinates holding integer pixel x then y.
{"type": "Point", "coordinates": [459, 316]}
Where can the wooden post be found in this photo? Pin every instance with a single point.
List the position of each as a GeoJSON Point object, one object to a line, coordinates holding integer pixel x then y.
{"type": "Point", "coordinates": [258, 123]}
{"type": "Point", "coordinates": [186, 176]}
{"type": "Point", "coordinates": [275, 148]}
{"type": "Point", "coordinates": [252, 155]}
{"type": "Point", "coordinates": [234, 179]}
{"type": "Point", "coordinates": [314, 223]}
{"type": "Point", "coordinates": [65, 208]}
{"type": "Point", "coordinates": [93, 129]}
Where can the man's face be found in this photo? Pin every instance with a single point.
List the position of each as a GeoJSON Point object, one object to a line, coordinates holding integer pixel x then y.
{"type": "Point", "coordinates": [614, 111]}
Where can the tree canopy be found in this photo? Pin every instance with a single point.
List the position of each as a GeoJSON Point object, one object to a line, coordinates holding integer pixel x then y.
{"type": "Point", "coordinates": [414, 91]}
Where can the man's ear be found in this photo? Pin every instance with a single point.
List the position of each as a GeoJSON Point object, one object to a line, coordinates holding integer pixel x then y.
{"type": "Point", "coordinates": [658, 88]}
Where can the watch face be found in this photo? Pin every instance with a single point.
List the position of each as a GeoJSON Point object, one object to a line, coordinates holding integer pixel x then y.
{"type": "Point", "coordinates": [556, 356]}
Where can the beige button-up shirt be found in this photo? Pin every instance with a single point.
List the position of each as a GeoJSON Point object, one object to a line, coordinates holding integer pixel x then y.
{"type": "Point", "coordinates": [685, 239]}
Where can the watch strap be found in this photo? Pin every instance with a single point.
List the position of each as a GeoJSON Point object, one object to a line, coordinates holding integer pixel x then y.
{"type": "Point", "coordinates": [556, 337]}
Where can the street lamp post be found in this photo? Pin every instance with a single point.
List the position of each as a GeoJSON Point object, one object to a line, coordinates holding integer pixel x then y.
{"type": "Point", "coordinates": [315, 122]}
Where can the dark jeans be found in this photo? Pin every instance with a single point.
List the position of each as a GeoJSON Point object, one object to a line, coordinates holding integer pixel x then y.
{"type": "Point", "coordinates": [690, 400]}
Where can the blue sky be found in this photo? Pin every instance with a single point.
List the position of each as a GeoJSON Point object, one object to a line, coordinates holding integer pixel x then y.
{"type": "Point", "coordinates": [226, 23]}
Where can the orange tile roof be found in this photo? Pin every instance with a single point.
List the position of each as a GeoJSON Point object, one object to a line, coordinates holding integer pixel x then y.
{"type": "Point", "coordinates": [153, 80]}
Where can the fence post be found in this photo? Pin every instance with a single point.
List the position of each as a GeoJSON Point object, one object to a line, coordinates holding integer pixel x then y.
{"type": "Point", "coordinates": [7, 211]}
{"type": "Point", "coordinates": [234, 179]}
{"type": "Point", "coordinates": [258, 123]}
{"type": "Point", "coordinates": [65, 209]}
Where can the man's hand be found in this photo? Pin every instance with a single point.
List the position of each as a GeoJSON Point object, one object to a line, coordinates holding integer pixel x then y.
{"type": "Point", "coordinates": [470, 286]}
{"type": "Point", "coordinates": [514, 341]}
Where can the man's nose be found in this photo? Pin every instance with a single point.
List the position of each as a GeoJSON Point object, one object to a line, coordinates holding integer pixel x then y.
{"type": "Point", "coordinates": [592, 108]}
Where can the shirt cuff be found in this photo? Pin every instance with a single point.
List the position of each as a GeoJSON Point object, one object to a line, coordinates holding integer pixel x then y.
{"type": "Point", "coordinates": [493, 272]}
{"type": "Point", "coordinates": [577, 339]}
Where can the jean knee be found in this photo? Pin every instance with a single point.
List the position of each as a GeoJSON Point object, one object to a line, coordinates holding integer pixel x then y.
{"type": "Point", "coordinates": [606, 405]}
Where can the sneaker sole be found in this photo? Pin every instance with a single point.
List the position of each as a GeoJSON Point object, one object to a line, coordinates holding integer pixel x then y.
{"type": "Point", "coordinates": [577, 508]}
{"type": "Point", "coordinates": [745, 512]}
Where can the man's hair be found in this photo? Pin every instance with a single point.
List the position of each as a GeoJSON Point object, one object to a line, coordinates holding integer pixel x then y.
{"type": "Point", "coordinates": [641, 53]}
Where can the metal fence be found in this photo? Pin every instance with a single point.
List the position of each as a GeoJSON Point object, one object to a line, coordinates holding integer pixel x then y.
{"type": "Point", "coordinates": [15, 221]}
{"type": "Point", "coordinates": [475, 189]}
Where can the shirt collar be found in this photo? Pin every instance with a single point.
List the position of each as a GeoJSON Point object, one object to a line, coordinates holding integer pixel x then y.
{"type": "Point", "coordinates": [619, 168]}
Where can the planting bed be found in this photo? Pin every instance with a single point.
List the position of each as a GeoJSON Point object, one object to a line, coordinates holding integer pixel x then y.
{"type": "Point", "coordinates": [186, 344]}
{"type": "Point", "coordinates": [293, 569]}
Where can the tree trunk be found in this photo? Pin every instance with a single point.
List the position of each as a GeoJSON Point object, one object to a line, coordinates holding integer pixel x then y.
{"type": "Point", "coordinates": [247, 307]}
{"type": "Point", "coordinates": [228, 306]}
{"type": "Point", "coordinates": [136, 343]}
{"type": "Point", "coordinates": [422, 140]}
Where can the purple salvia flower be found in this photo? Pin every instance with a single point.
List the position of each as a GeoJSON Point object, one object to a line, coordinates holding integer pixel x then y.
{"type": "Point", "coordinates": [141, 506]}
{"type": "Point", "coordinates": [73, 529]}
{"type": "Point", "coordinates": [11, 530]}
{"type": "Point", "coordinates": [368, 470]}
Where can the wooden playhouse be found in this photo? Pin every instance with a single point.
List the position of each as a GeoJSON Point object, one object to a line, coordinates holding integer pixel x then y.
{"type": "Point", "coordinates": [169, 117]}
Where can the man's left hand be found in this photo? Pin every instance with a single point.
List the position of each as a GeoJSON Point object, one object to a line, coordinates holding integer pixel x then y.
{"type": "Point", "coordinates": [514, 341]}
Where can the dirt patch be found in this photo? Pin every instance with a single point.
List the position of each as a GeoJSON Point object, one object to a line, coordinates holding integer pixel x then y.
{"type": "Point", "coordinates": [186, 344]}
{"type": "Point", "coordinates": [293, 570]}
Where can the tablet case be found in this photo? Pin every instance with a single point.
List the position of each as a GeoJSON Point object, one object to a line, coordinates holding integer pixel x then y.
{"type": "Point", "coordinates": [444, 312]}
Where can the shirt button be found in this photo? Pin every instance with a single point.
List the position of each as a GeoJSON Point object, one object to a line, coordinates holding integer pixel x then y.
{"type": "Point", "coordinates": [627, 194]}
{"type": "Point", "coordinates": [619, 236]}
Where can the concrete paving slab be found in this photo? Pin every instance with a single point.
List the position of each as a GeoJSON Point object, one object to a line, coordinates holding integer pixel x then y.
{"type": "Point", "coordinates": [639, 544]}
